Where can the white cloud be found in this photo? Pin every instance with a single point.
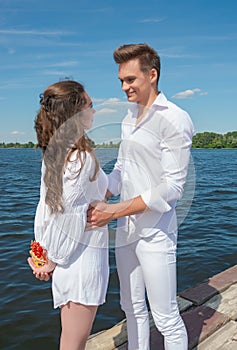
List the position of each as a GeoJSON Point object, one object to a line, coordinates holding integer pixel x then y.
{"type": "Point", "coordinates": [32, 32]}
{"type": "Point", "coordinates": [106, 111]}
{"type": "Point", "coordinates": [112, 100]}
{"type": "Point", "coordinates": [189, 93]}
{"type": "Point", "coordinates": [64, 64]}
{"type": "Point", "coordinates": [58, 73]}
{"type": "Point", "coordinates": [16, 132]}
{"type": "Point", "coordinates": [176, 52]}
{"type": "Point", "coordinates": [97, 100]}
{"type": "Point", "coordinates": [31, 65]}
{"type": "Point", "coordinates": [103, 101]}
{"type": "Point", "coordinates": [152, 20]}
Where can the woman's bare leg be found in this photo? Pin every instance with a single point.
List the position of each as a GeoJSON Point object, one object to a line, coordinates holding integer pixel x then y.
{"type": "Point", "coordinates": [77, 320]}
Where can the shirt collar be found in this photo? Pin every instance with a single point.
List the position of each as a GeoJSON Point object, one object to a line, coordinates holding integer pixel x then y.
{"type": "Point", "coordinates": [160, 102]}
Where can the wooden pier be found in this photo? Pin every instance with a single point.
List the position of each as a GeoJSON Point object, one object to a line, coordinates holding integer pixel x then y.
{"type": "Point", "coordinates": [209, 311]}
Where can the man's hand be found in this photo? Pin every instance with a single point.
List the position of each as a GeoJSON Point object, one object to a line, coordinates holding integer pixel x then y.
{"type": "Point", "coordinates": [99, 214]}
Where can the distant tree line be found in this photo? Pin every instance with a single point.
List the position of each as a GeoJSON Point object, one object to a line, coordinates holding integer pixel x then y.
{"type": "Point", "coordinates": [108, 145]}
{"type": "Point", "coordinates": [214, 140]}
{"type": "Point", "coordinates": [32, 145]}
{"type": "Point", "coordinates": [17, 145]}
{"type": "Point", "coordinates": [200, 140]}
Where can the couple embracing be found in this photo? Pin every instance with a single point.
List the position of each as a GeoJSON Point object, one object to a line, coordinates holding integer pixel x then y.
{"type": "Point", "coordinates": [72, 213]}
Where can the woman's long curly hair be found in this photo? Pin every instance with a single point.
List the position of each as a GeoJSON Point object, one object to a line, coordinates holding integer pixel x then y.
{"type": "Point", "coordinates": [59, 134]}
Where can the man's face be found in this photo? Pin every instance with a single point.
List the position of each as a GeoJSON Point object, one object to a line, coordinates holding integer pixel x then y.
{"type": "Point", "coordinates": [136, 84]}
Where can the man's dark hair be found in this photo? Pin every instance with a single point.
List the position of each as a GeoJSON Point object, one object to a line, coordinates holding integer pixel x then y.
{"type": "Point", "coordinates": [147, 56]}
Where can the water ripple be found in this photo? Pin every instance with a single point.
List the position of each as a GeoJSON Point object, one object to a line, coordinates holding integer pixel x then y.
{"type": "Point", "coordinates": [206, 246]}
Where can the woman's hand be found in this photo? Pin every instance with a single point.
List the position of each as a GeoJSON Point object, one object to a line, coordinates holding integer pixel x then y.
{"type": "Point", "coordinates": [44, 272]}
{"type": "Point", "coordinates": [99, 214]}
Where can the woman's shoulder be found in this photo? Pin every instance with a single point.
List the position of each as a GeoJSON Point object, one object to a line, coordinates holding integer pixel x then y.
{"type": "Point", "coordinates": [77, 161]}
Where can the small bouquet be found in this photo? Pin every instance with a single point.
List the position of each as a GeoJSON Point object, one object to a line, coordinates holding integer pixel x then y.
{"type": "Point", "coordinates": [37, 253]}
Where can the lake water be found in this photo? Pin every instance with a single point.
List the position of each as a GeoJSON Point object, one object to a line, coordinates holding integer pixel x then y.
{"type": "Point", "coordinates": [207, 242]}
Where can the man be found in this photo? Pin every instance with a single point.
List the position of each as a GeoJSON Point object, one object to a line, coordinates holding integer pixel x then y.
{"type": "Point", "coordinates": [149, 175]}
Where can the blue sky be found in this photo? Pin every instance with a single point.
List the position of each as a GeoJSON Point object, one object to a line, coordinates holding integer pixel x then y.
{"type": "Point", "coordinates": [44, 41]}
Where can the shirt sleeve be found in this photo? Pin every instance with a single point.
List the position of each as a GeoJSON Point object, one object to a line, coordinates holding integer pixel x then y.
{"type": "Point", "coordinates": [175, 154]}
{"type": "Point", "coordinates": [61, 233]}
{"type": "Point", "coordinates": [114, 177]}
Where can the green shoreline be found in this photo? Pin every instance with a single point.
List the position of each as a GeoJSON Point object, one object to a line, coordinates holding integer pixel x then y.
{"type": "Point", "coordinates": [107, 147]}
{"type": "Point", "coordinates": [200, 140]}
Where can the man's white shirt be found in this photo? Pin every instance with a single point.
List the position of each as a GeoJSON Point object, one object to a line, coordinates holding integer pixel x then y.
{"type": "Point", "coordinates": [152, 162]}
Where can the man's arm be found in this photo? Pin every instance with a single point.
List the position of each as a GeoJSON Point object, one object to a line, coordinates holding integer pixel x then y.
{"type": "Point", "coordinates": [175, 149]}
{"type": "Point", "coordinates": [100, 213]}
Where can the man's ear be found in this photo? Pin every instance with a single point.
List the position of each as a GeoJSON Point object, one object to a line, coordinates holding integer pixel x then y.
{"type": "Point", "coordinates": [153, 75]}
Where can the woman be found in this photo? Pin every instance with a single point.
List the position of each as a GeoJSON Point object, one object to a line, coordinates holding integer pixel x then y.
{"type": "Point", "coordinates": [71, 179]}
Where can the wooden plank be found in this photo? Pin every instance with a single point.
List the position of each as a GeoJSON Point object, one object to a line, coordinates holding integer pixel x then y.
{"type": "Point", "coordinates": [225, 302]}
{"type": "Point", "coordinates": [224, 279]}
{"type": "Point", "coordinates": [116, 336]}
{"type": "Point", "coordinates": [201, 322]}
{"type": "Point", "coordinates": [207, 289]}
{"type": "Point", "coordinates": [219, 294]}
{"type": "Point", "coordinates": [223, 339]}
{"type": "Point", "coordinates": [199, 294]}
{"type": "Point", "coordinates": [109, 339]}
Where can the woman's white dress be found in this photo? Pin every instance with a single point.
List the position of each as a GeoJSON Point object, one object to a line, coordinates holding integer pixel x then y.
{"type": "Point", "coordinates": [82, 270]}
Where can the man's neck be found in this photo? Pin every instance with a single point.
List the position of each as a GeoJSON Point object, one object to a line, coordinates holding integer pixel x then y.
{"type": "Point", "coordinates": [143, 109]}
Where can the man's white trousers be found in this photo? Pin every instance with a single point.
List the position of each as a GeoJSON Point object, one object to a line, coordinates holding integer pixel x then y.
{"type": "Point", "coordinates": [148, 267]}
